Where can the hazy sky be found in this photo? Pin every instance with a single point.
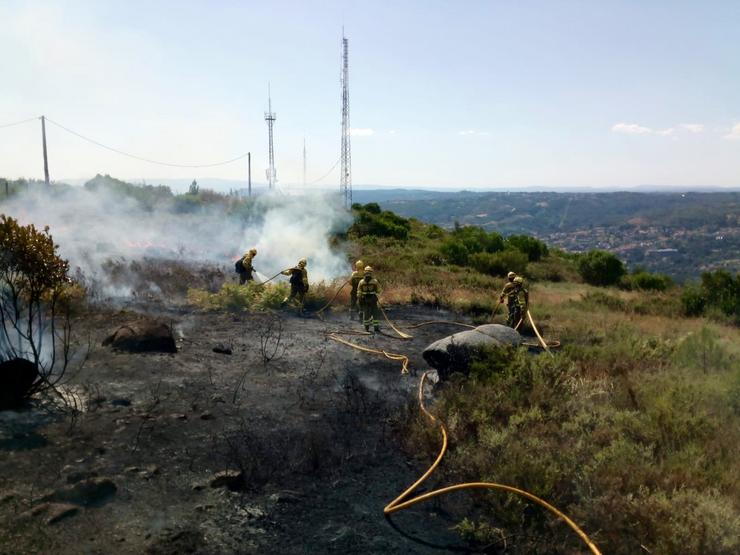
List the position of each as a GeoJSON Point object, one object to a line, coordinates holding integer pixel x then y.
{"type": "Point", "coordinates": [445, 94]}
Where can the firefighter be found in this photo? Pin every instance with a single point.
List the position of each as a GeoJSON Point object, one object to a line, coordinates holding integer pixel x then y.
{"type": "Point", "coordinates": [354, 282]}
{"type": "Point", "coordinates": [367, 293]}
{"type": "Point", "coordinates": [298, 283]}
{"type": "Point", "coordinates": [244, 266]}
{"type": "Point", "coordinates": [513, 291]}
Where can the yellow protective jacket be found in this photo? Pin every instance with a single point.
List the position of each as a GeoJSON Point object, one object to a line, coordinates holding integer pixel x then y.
{"type": "Point", "coordinates": [355, 280]}
{"type": "Point", "coordinates": [511, 292]}
{"type": "Point", "coordinates": [247, 262]}
{"type": "Point", "coordinates": [297, 276]}
{"type": "Point", "coordinates": [368, 289]}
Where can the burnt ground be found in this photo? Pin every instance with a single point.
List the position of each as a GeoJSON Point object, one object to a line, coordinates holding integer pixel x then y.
{"type": "Point", "coordinates": [313, 427]}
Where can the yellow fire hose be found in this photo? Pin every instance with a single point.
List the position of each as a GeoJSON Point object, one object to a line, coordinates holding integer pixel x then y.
{"type": "Point", "coordinates": [273, 277]}
{"type": "Point", "coordinates": [401, 502]}
{"type": "Point", "coordinates": [432, 322]}
{"type": "Point", "coordinates": [493, 314]}
{"type": "Point", "coordinates": [403, 359]}
{"type": "Point", "coordinates": [537, 332]}
{"type": "Point", "coordinates": [394, 328]}
{"type": "Point", "coordinates": [334, 298]}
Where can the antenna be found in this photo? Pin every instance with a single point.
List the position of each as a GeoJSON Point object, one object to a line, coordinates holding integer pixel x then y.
{"type": "Point", "coordinates": [270, 118]}
{"type": "Point", "coordinates": [345, 183]}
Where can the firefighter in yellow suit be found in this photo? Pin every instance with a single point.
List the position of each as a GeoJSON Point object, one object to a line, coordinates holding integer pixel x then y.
{"type": "Point", "coordinates": [298, 283]}
{"type": "Point", "coordinates": [368, 291]}
{"type": "Point", "coordinates": [355, 282]}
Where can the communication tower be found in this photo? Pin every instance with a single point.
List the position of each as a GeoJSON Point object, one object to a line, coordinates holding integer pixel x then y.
{"type": "Point", "coordinates": [270, 118]}
{"type": "Point", "coordinates": [345, 183]}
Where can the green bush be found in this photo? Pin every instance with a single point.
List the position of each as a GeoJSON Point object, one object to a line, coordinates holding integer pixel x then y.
{"type": "Point", "coordinates": [533, 248]}
{"type": "Point", "coordinates": [646, 281]}
{"type": "Point", "coordinates": [692, 300]}
{"type": "Point", "coordinates": [454, 252]}
{"type": "Point", "coordinates": [600, 268]}
{"type": "Point", "coordinates": [718, 291]}
{"type": "Point", "coordinates": [371, 221]}
{"type": "Point", "coordinates": [637, 451]}
{"type": "Point", "coordinates": [233, 297]}
{"type": "Point", "coordinates": [499, 263]}
{"type": "Point", "coordinates": [476, 239]}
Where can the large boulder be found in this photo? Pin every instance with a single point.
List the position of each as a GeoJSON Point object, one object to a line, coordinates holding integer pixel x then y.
{"type": "Point", "coordinates": [17, 377]}
{"type": "Point", "coordinates": [141, 337]}
{"type": "Point", "coordinates": [454, 353]}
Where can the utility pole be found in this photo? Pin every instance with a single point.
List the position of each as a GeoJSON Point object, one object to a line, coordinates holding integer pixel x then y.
{"type": "Point", "coordinates": [249, 173]}
{"type": "Point", "coordinates": [43, 141]}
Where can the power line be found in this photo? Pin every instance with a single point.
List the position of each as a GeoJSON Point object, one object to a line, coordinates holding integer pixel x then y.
{"type": "Point", "coordinates": [117, 151]}
{"type": "Point", "coordinates": [19, 122]}
{"type": "Point", "coordinates": [327, 173]}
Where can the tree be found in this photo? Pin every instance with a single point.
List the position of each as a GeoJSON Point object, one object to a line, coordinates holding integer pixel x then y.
{"type": "Point", "coordinates": [599, 267]}
{"type": "Point", "coordinates": [194, 188]}
{"type": "Point", "coordinates": [34, 314]}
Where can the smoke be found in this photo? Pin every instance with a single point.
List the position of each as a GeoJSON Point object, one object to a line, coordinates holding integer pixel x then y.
{"type": "Point", "coordinates": [95, 227]}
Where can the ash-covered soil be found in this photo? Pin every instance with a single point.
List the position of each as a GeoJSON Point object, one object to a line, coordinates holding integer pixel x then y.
{"type": "Point", "coordinates": [309, 430]}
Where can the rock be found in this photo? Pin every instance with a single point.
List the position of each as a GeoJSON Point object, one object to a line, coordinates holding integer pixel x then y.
{"type": "Point", "coordinates": [17, 377]}
{"type": "Point", "coordinates": [141, 337]}
{"type": "Point", "coordinates": [231, 479]}
{"type": "Point", "coordinates": [92, 491]}
{"type": "Point", "coordinates": [216, 398]}
{"type": "Point", "coordinates": [207, 416]}
{"type": "Point", "coordinates": [121, 402]}
{"type": "Point", "coordinates": [454, 352]}
{"type": "Point", "coordinates": [179, 416]}
{"type": "Point", "coordinates": [222, 349]}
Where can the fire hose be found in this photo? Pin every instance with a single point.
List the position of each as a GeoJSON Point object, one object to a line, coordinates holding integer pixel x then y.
{"type": "Point", "coordinates": [402, 502]}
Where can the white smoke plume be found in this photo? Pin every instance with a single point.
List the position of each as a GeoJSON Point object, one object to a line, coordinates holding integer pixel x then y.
{"type": "Point", "coordinates": [94, 227]}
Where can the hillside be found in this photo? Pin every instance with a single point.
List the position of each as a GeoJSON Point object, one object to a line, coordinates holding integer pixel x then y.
{"type": "Point", "coordinates": [262, 432]}
{"type": "Point", "coordinates": [679, 234]}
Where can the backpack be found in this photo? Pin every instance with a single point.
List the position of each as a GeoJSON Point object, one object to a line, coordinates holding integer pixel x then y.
{"type": "Point", "coordinates": [239, 266]}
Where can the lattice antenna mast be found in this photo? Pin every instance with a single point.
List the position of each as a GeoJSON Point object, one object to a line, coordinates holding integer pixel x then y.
{"type": "Point", "coordinates": [270, 118]}
{"type": "Point", "coordinates": [345, 184]}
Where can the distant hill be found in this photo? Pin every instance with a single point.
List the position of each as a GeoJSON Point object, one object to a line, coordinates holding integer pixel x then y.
{"type": "Point", "coordinates": [679, 234]}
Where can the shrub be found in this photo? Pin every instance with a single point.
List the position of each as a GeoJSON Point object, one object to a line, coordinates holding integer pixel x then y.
{"type": "Point", "coordinates": [600, 268]}
{"type": "Point", "coordinates": [233, 297]}
{"type": "Point", "coordinates": [476, 239]}
{"type": "Point", "coordinates": [533, 248]}
{"type": "Point", "coordinates": [646, 281]}
{"type": "Point", "coordinates": [635, 450]}
{"type": "Point", "coordinates": [454, 252]}
{"type": "Point", "coordinates": [370, 220]}
{"type": "Point", "coordinates": [718, 291]}
{"type": "Point", "coordinates": [499, 263]}
{"type": "Point", "coordinates": [35, 302]}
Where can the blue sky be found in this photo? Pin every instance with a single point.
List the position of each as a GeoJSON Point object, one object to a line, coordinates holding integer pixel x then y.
{"type": "Point", "coordinates": [443, 94]}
